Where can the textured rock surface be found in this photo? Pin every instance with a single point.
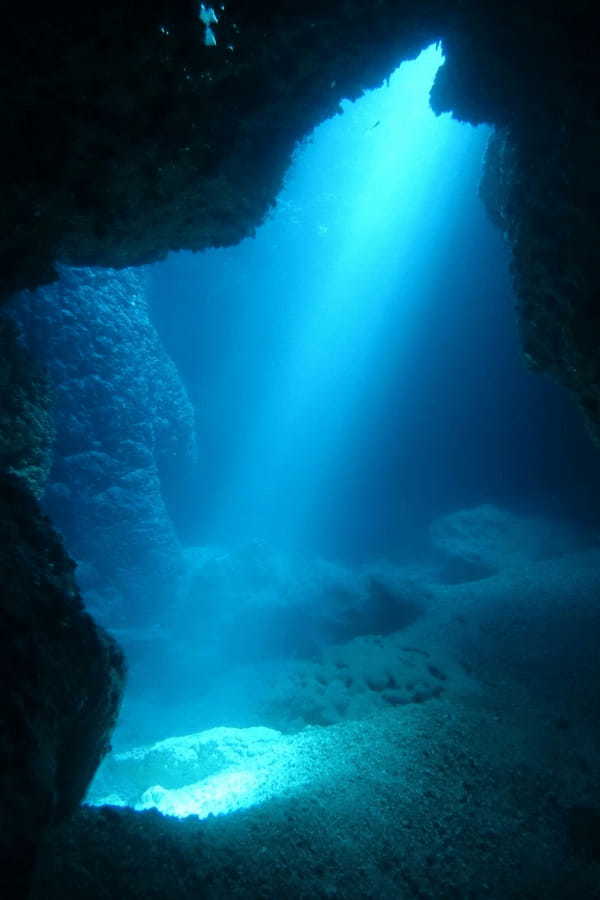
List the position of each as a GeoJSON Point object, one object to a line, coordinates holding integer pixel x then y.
{"type": "Point", "coordinates": [26, 422]}
{"type": "Point", "coordinates": [534, 620]}
{"type": "Point", "coordinates": [548, 207]}
{"type": "Point", "coordinates": [534, 71]}
{"type": "Point", "coordinates": [124, 430]}
{"type": "Point", "coordinates": [61, 681]}
{"type": "Point", "coordinates": [130, 137]}
{"type": "Point", "coordinates": [170, 765]}
{"type": "Point", "coordinates": [142, 139]}
{"type": "Point", "coordinates": [538, 625]}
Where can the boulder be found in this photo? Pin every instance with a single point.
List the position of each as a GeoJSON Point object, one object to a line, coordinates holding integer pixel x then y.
{"type": "Point", "coordinates": [62, 679]}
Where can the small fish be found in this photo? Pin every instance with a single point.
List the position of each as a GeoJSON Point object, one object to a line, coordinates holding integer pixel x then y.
{"type": "Point", "coordinates": [208, 17]}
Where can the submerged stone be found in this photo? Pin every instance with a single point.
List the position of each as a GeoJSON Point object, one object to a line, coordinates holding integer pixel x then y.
{"type": "Point", "coordinates": [62, 679]}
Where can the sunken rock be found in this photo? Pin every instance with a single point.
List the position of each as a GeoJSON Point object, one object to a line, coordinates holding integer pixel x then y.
{"type": "Point", "coordinates": [130, 137]}
{"type": "Point", "coordinates": [483, 540]}
{"type": "Point", "coordinates": [62, 679]}
{"type": "Point", "coordinates": [533, 71]}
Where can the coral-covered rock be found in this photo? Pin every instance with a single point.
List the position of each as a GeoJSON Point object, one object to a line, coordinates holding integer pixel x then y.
{"type": "Point", "coordinates": [125, 435]}
{"type": "Point", "coordinates": [352, 681]}
{"type": "Point", "coordinates": [62, 679]}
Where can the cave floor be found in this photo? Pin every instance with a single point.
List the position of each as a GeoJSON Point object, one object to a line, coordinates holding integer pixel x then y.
{"type": "Point", "coordinates": [477, 797]}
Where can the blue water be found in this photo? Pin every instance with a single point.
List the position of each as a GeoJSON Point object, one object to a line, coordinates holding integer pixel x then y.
{"type": "Point", "coordinates": [355, 367]}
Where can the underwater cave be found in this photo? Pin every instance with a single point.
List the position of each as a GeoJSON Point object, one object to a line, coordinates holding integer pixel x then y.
{"type": "Point", "coordinates": [299, 439]}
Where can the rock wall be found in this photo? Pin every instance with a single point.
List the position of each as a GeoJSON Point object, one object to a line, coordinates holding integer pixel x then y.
{"type": "Point", "coordinates": [62, 679]}
{"type": "Point", "coordinates": [26, 423]}
{"type": "Point", "coordinates": [61, 675]}
{"type": "Point", "coordinates": [131, 137]}
{"type": "Point", "coordinates": [127, 137]}
{"type": "Point", "coordinates": [547, 207]}
{"type": "Point", "coordinates": [124, 432]}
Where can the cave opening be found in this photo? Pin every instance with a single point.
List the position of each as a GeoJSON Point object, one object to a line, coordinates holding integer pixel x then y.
{"type": "Point", "coordinates": [347, 542]}
{"type": "Point", "coordinates": [329, 437]}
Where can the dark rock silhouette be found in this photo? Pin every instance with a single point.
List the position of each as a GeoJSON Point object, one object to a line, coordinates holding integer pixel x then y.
{"type": "Point", "coordinates": [62, 679]}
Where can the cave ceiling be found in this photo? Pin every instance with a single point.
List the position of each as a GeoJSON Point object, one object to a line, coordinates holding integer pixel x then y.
{"type": "Point", "coordinates": [129, 137]}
